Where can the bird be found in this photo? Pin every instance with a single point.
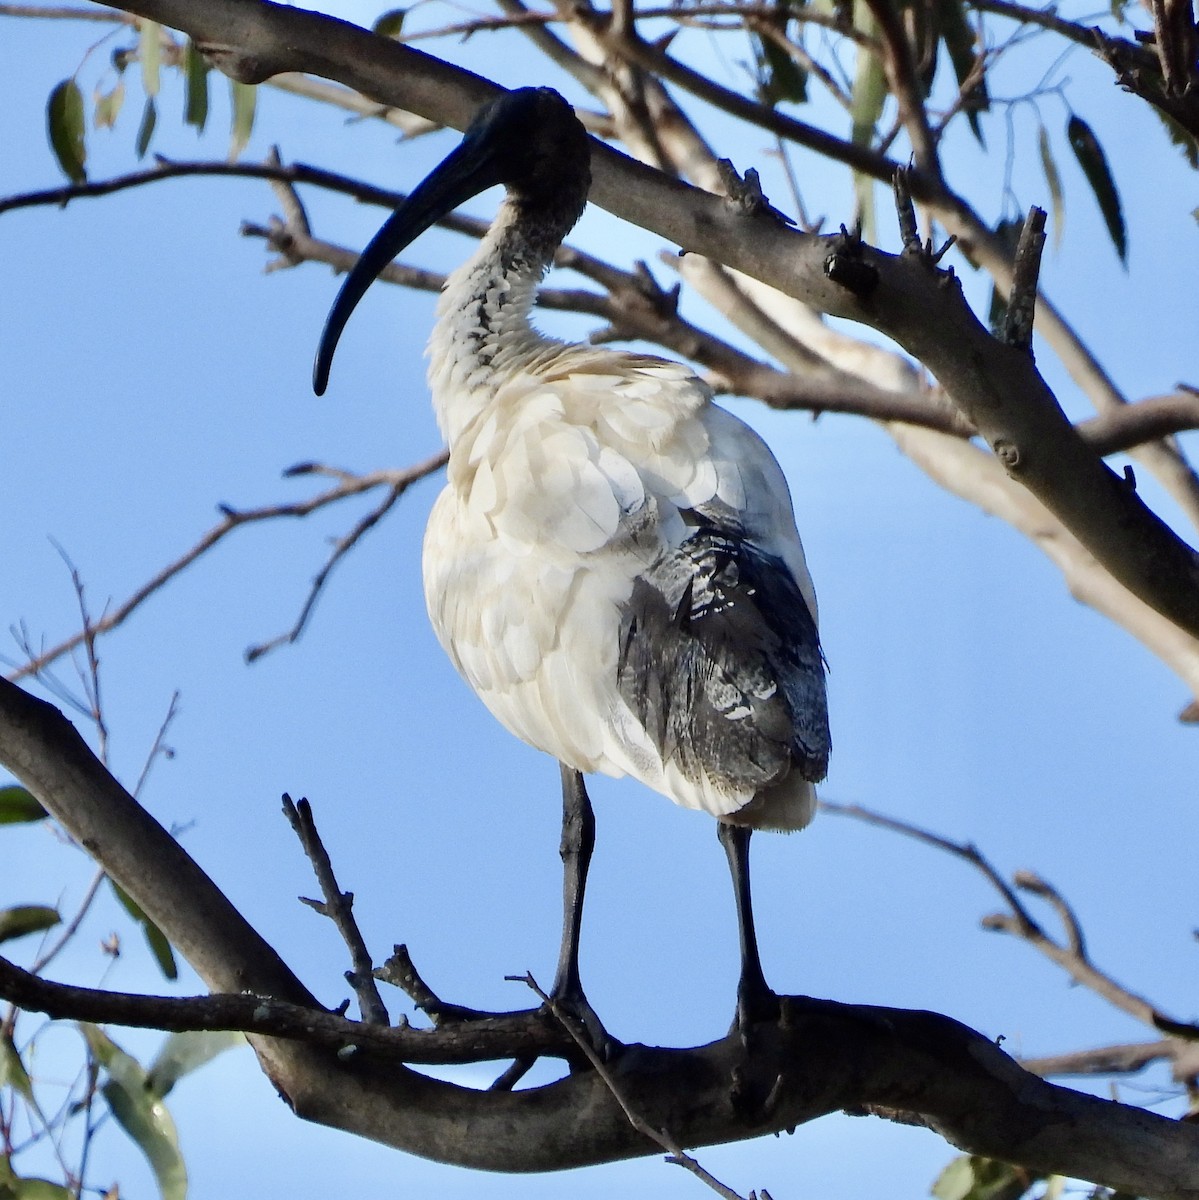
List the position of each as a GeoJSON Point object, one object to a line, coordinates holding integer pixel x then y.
{"type": "Point", "coordinates": [613, 564]}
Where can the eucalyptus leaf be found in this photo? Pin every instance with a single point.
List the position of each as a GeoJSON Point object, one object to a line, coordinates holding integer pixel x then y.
{"type": "Point", "coordinates": [866, 106]}
{"type": "Point", "coordinates": [23, 919]}
{"type": "Point", "coordinates": [64, 123]}
{"type": "Point", "coordinates": [149, 53]}
{"type": "Point", "coordinates": [19, 806]}
{"type": "Point", "coordinates": [784, 78]}
{"type": "Point", "coordinates": [184, 1052]}
{"type": "Point", "coordinates": [140, 1112]}
{"type": "Point", "coordinates": [390, 23]}
{"type": "Point", "coordinates": [107, 105]}
{"type": "Point", "coordinates": [12, 1069]}
{"type": "Point", "coordinates": [160, 947]}
{"type": "Point", "coordinates": [1093, 161]}
{"type": "Point", "coordinates": [14, 1187]}
{"type": "Point", "coordinates": [959, 38]}
{"type": "Point", "coordinates": [195, 69]}
{"type": "Point", "coordinates": [146, 129]}
{"type": "Point", "coordinates": [971, 1177]}
{"type": "Point", "coordinates": [1053, 181]}
{"type": "Point", "coordinates": [245, 100]}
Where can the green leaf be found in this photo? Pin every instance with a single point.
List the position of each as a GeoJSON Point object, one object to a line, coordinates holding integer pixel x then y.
{"type": "Point", "coordinates": [107, 105]}
{"type": "Point", "coordinates": [18, 806]}
{"type": "Point", "coordinates": [866, 106]}
{"type": "Point", "coordinates": [868, 97]}
{"type": "Point", "coordinates": [64, 123]}
{"type": "Point", "coordinates": [955, 1181]}
{"type": "Point", "coordinates": [390, 23]}
{"type": "Point", "coordinates": [974, 1178]}
{"type": "Point", "coordinates": [146, 130]}
{"type": "Point", "coordinates": [12, 1070]}
{"type": "Point", "coordinates": [959, 38]}
{"type": "Point", "coordinates": [1054, 182]}
{"type": "Point", "coordinates": [140, 1112]}
{"type": "Point", "coordinates": [155, 938]}
{"type": "Point", "coordinates": [1093, 161]}
{"type": "Point", "coordinates": [14, 1187]}
{"type": "Point", "coordinates": [183, 1053]}
{"type": "Point", "coordinates": [195, 68]}
{"type": "Point", "coordinates": [24, 919]}
{"type": "Point", "coordinates": [245, 99]}
{"type": "Point", "coordinates": [784, 78]}
{"type": "Point", "coordinates": [149, 53]}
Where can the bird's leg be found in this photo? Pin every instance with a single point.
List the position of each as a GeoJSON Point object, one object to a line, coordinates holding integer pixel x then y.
{"type": "Point", "coordinates": [755, 1000]}
{"type": "Point", "coordinates": [578, 841]}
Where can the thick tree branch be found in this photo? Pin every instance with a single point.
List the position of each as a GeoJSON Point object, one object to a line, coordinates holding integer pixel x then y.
{"type": "Point", "coordinates": [818, 1058]}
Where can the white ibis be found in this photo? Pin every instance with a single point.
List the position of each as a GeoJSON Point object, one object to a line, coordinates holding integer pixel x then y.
{"type": "Point", "coordinates": [613, 564]}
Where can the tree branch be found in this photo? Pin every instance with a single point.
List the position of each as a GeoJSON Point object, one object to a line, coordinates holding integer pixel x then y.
{"type": "Point", "coordinates": [819, 1057]}
{"type": "Point", "coordinates": [999, 391]}
{"type": "Point", "coordinates": [347, 485]}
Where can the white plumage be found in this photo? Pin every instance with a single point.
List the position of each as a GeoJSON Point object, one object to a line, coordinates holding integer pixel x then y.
{"type": "Point", "coordinates": [613, 565]}
{"type": "Point", "coordinates": [569, 467]}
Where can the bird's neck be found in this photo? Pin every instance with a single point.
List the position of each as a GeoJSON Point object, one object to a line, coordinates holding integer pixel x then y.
{"type": "Point", "coordinates": [483, 334]}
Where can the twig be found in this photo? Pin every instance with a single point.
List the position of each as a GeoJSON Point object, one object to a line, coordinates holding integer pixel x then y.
{"type": "Point", "coordinates": [1030, 881]}
{"type": "Point", "coordinates": [72, 926]}
{"type": "Point", "coordinates": [157, 747]}
{"type": "Point", "coordinates": [338, 906]}
{"type": "Point", "coordinates": [1019, 921]}
{"type": "Point", "coordinates": [500, 1036]}
{"type": "Point", "coordinates": [63, 12]}
{"type": "Point", "coordinates": [674, 1152]}
{"type": "Point", "coordinates": [400, 971]}
{"type": "Point", "coordinates": [341, 547]}
{"type": "Point", "coordinates": [1106, 1060]}
{"type": "Point", "coordinates": [964, 850]}
{"type": "Point", "coordinates": [1026, 270]}
{"type": "Point", "coordinates": [351, 485]}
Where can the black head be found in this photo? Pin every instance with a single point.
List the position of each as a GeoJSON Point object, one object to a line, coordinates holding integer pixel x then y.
{"type": "Point", "coordinates": [529, 140]}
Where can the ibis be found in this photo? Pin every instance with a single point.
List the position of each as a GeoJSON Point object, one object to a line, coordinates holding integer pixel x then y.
{"type": "Point", "coordinates": [613, 565]}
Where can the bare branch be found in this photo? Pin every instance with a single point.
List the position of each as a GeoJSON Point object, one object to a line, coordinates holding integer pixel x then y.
{"type": "Point", "coordinates": [1120, 1060]}
{"type": "Point", "coordinates": [1071, 957]}
{"type": "Point", "coordinates": [1026, 270]}
{"type": "Point", "coordinates": [489, 1038]}
{"type": "Point", "coordinates": [338, 906]}
{"type": "Point", "coordinates": [822, 1057]}
{"type": "Point", "coordinates": [64, 12]}
{"type": "Point", "coordinates": [351, 485]}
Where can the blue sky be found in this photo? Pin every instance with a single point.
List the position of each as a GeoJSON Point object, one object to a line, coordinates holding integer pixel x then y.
{"type": "Point", "coordinates": [153, 370]}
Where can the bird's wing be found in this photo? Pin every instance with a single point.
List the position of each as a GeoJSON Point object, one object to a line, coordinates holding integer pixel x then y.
{"type": "Point", "coordinates": [598, 522]}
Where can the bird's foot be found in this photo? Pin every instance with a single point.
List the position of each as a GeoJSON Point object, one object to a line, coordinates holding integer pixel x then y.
{"type": "Point", "coordinates": [574, 1010]}
{"type": "Point", "coordinates": [757, 1004]}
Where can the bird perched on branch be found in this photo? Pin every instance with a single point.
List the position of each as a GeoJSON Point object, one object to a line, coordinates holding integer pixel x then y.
{"type": "Point", "coordinates": [613, 565]}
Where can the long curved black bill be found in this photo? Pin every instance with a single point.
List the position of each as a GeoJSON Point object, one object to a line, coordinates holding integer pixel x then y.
{"type": "Point", "coordinates": [468, 170]}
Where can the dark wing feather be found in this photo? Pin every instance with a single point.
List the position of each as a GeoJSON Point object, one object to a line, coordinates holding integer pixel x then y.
{"type": "Point", "coordinates": [720, 661]}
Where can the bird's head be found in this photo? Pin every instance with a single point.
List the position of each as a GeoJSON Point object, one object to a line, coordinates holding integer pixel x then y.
{"type": "Point", "coordinates": [529, 140]}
